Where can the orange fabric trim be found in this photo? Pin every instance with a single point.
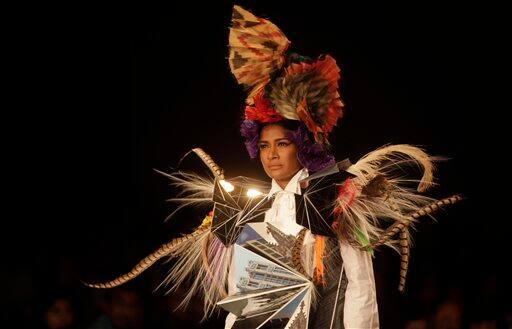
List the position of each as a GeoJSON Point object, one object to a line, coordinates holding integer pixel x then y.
{"type": "Point", "coordinates": [318, 275]}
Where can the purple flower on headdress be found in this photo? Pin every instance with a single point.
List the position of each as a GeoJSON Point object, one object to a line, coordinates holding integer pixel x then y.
{"type": "Point", "coordinates": [250, 131]}
{"type": "Point", "coordinates": [310, 154]}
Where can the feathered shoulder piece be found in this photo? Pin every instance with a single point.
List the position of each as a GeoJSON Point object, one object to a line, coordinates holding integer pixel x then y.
{"type": "Point", "coordinates": [376, 200]}
{"type": "Point", "coordinates": [282, 85]}
{"type": "Point", "coordinates": [202, 258]}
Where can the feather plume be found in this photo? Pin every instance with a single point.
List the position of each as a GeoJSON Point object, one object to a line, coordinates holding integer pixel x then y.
{"type": "Point", "coordinates": [165, 250]}
{"type": "Point", "coordinates": [203, 265]}
{"type": "Point", "coordinates": [194, 189]}
{"type": "Point", "coordinates": [382, 193]}
{"type": "Point", "coordinates": [390, 157]}
{"type": "Point", "coordinates": [404, 258]}
{"type": "Point", "coordinates": [256, 49]}
{"type": "Point", "coordinates": [308, 91]}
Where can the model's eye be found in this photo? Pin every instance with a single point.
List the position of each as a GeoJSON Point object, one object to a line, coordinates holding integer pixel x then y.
{"type": "Point", "coordinates": [283, 144]}
{"type": "Point", "coordinates": [263, 146]}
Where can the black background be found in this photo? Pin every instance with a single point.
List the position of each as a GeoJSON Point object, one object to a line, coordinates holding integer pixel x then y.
{"type": "Point", "coordinates": [102, 96]}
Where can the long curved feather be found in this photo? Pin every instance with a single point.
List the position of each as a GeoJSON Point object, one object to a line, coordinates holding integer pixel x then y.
{"type": "Point", "coordinates": [164, 250]}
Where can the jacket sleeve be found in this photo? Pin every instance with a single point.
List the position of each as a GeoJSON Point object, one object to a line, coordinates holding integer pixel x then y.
{"type": "Point", "coordinates": [360, 310]}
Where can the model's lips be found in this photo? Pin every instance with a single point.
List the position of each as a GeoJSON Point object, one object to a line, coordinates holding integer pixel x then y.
{"type": "Point", "coordinates": [274, 167]}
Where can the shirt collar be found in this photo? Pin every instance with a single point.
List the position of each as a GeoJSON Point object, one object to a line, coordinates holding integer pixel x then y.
{"type": "Point", "coordinates": [293, 185]}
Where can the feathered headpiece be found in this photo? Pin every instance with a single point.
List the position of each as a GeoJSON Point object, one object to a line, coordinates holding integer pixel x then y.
{"type": "Point", "coordinates": [282, 85]}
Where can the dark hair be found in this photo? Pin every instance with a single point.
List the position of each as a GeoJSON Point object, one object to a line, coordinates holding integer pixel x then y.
{"type": "Point", "coordinates": [310, 155]}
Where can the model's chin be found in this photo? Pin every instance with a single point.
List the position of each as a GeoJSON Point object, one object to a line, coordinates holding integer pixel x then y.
{"type": "Point", "coordinates": [277, 170]}
{"type": "Point", "coordinates": [281, 175]}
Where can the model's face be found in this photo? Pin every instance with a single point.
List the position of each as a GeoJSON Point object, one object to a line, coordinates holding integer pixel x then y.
{"type": "Point", "coordinates": [278, 154]}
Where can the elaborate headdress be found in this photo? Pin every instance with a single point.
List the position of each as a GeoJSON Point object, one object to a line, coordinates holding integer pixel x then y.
{"type": "Point", "coordinates": [284, 86]}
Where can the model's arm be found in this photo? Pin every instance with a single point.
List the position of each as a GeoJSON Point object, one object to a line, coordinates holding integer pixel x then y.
{"type": "Point", "coordinates": [360, 310]}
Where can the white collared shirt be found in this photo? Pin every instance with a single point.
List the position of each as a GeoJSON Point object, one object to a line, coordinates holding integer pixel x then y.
{"type": "Point", "coordinates": [360, 309]}
{"type": "Point", "coordinates": [282, 212]}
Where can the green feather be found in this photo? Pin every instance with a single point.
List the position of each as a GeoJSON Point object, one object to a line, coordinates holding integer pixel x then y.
{"type": "Point", "coordinates": [363, 240]}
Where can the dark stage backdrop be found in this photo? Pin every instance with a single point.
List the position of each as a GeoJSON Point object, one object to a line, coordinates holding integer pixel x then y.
{"type": "Point", "coordinates": [113, 93]}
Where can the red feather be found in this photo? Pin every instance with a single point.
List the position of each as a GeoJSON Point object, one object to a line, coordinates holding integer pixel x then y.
{"type": "Point", "coordinates": [262, 111]}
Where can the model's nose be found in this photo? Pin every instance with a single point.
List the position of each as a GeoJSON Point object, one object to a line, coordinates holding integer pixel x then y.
{"type": "Point", "coordinates": [273, 153]}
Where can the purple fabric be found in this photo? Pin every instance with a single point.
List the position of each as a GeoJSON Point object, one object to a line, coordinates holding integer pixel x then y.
{"type": "Point", "coordinates": [250, 131]}
{"type": "Point", "coordinates": [310, 155]}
